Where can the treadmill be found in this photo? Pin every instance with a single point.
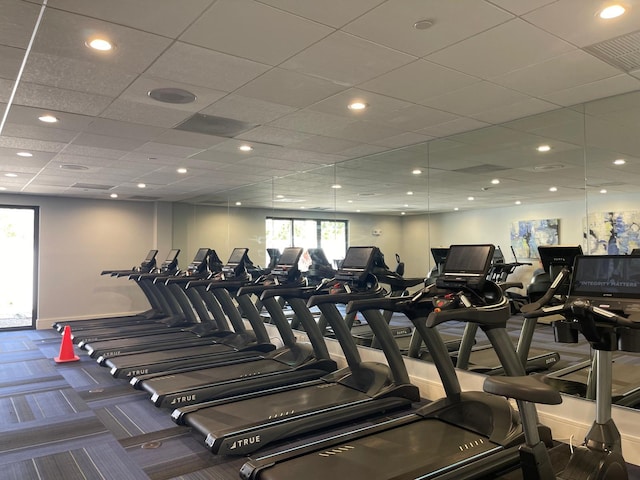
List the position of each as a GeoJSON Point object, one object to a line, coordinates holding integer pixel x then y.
{"type": "Point", "coordinates": [217, 347]}
{"type": "Point", "coordinates": [147, 265]}
{"type": "Point", "coordinates": [609, 282]}
{"type": "Point", "coordinates": [483, 359]}
{"type": "Point", "coordinates": [292, 363]}
{"type": "Point", "coordinates": [196, 321]}
{"type": "Point", "coordinates": [464, 435]}
{"type": "Point", "coordinates": [245, 423]}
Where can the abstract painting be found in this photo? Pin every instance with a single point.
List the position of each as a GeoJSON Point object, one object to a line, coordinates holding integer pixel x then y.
{"type": "Point", "coordinates": [526, 235]}
{"type": "Point", "coordinates": [613, 233]}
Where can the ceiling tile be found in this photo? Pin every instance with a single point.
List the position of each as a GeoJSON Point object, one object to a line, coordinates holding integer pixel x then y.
{"type": "Point", "coordinates": [104, 141]}
{"type": "Point", "coordinates": [58, 99]}
{"type": "Point", "coordinates": [72, 74]}
{"type": "Point", "coordinates": [318, 143]}
{"type": "Point", "coordinates": [104, 126]}
{"type": "Point", "coordinates": [458, 125]}
{"type": "Point", "coordinates": [24, 115]}
{"type": "Point", "coordinates": [188, 139]}
{"type": "Point", "coordinates": [559, 73]}
{"type": "Point", "coordinates": [156, 116]}
{"type": "Point", "coordinates": [40, 133]}
{"type": "Point", "coordinates": [520, 7]}
{"type": "Point", "coordinates": [317, 123]}
{"type": "Point", "coordinates": [504, 113]}
{"type": "Point", "coordinates": [273, 136]}
{"type": "Point", "coordinates": [476, 55]}
{"type": "Point", "coordinates": [198, 66]}
{"type": "Point", "coordinates": [10, 61]}
{"type": "Point", "coordinates": [169, 20]}
{"type": "Point", "coordinates": [401, 83]}
{"type": "Point", "coordinates": [594, 90]}
{"type": "Point", "coordinates": [289, 88]}
{"type": "Point", "coordinates": [170, 150]}
{"type": "Point", "coordinates": [253, 30]}
{"type": "Point", "coordinates": [329, 12]}
{"type": "Point", "coordinates": [30, 144]}
{"type": "Point", "coordinates": [391, 23]}
{"type": "Point", "coordinates": [576, 21]}
{"type": "Point", "coordinates": [64, 34]}
{"type": "Point", "coordinates": [378, 106]}
{"type": "Point", "coordinates": [248, 110]}
{"type": "Point", "coordinates": [402, 140]}
{"type": "Point", "coordinates": [346, 59]}
{"type": "Point", "coordinates": [17, 22]}
{"type": "Point", "coordinates": [476, 98]}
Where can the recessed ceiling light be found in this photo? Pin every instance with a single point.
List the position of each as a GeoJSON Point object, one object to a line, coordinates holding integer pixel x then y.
{"type": "Point", "coordinates": [114, 195]}
{"type": "Point", "coordinates": [349, 201]}
{"type": "Point", "coordinates": [245, 148]}
{"type": "Point", "coordinates": [336, 186]}
{"type": "Point", "coordinates": [24, 154]}
{"type": "Point", "coordinates": [12, 175]}
{"type": "Point", "coordinates": [357, 106]}
{"type": "Point", "coordinates": [471, 199]}
{"type": "Point", "coordinates": [416, 171]}
{"type": "Point", "coordinates": [100, 44]}
{"type": "Point", "coordinates": [612, 11]}
{"type": "Point", "coordinates": [238, 204]}
{"type": "Point", "coordinates": [302, 208]}
{"type": "Point", "coordinates": [3, 188]}
{"type": "Point", "coordinates": [495, 181]}
{"type": "Point", "coordinates": [406, 205]}
{"type": "Point", "coordinates": [518, 202]}
{"type": "Point", "coordinates": [142, 185]}
{"type": "Point", "coordinates": [423, 24]}
{"type": "Point", "coordinates": [553, 189]}
{"type": "Point", "coordinates": [543, 148]}
{"type": "Point", "coordinates": [409, 192]}
{"type": "Point", "coordinates": [358, 211]}
{"type": "Point", "coordinates": [619, 161]}
{"type": "Point", "coordinates": [47, 118]}
{"type": "Point", "coordinates": [181, 170]}
{"type": "Point", "coordinates": [279, 196]}
{"type": "Point", "coordinates": [456, 209]}
{"type": "Point", "coordinates": [403, 213]}
{"type": "Point", "coordinates": [604, 190]}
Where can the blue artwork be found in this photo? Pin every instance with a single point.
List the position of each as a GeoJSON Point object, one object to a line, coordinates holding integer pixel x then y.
{"type": "Point", "coordinates": [613, 233]}
{"type": "Point", "coordinates": [526, 235]}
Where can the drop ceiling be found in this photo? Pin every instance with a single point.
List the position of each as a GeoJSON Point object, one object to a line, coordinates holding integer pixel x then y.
{"type": "Point", "coordinates": [483, 86]}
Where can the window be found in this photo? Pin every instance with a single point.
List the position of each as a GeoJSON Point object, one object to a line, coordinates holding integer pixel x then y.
{"type": "Point", "coordinates": [330, 235]}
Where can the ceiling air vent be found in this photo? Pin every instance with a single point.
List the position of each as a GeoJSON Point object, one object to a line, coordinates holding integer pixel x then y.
{"type": "Point", "coordinates": [212, 125]}
{"type": "Point", "coordinates": [144, 197]}
{"type": "Point", "coordinates": [92, 186]}
{"type": "Point", "coordinates": [622, 52]}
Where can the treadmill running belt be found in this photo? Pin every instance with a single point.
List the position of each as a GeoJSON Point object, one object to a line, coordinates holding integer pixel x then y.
{"type": "Point", "coordinates": [421, 450]}
{"type": "Point", "coordinates": [271, 408]}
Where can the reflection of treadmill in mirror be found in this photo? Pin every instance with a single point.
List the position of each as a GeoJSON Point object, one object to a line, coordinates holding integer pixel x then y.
{"type": "Point", "coordinates": [320, 267]}
{"type": "Point", "coordinates": [611, 282]}
{"type": "Point", "coordinates": [439, 255]}
{"type": "Point", "coordinates": [553, 259]}
{"type": "Point", "coordinates": [483, 358]}
{"type": "Point", "coordinates": [274, 255]}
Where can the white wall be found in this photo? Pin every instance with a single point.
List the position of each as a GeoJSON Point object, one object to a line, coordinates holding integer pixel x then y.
{"type": "Point", "coordinates": [78, 239]}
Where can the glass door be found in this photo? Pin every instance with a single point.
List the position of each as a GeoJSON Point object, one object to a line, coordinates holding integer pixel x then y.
{"type": "Point", "coordinates": [18, 283]}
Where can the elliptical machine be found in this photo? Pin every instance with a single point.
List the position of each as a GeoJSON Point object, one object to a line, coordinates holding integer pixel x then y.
{"type": "Point", "coordinates": [600, 457]}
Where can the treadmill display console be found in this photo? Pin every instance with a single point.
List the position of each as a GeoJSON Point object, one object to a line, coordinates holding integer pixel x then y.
{"type": "Point", "coordinates": [608, 281]}
{"type": "Point", "coordinates": [237, 256]}
{"type": "Point", "coordinates": [466, 266]}
{"type": "Point", "coordinates": [357, 264]}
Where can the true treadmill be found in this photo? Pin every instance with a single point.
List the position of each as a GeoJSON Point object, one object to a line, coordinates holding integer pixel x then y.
{"type": "Point", "coordinates": [292, 363]}
{"type": "Point", "coordinates": [197, 321]}
{"type": "Point", "coordinates": [483, 359]}
{"type": "Point", "coordinates": [611, 282]}
{"type": "Point", "coordinates": [246, 423]}
{"type": "Point", "coordinates": [204, 264]}
{"type": "Point", "coordinates": [464, 435]}
{"type": "Point", "coordinates": [217, 347]}
{"type": "Point", "coordinates": [154, 312]}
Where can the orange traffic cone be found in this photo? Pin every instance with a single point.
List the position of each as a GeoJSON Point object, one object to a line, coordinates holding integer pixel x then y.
{"type": "Point", "coordinates": [66, 348]}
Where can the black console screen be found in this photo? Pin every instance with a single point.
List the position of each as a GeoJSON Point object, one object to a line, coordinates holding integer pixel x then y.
{"type": "Point", "coordinates": [358, 258]}
{"type": "Point", "coordinates": [290, 256]}
{"type": "Point", "coordinates": [559, 255]}
{"type": "Point", "coordinates": [439, 254]}
{"type": "Point", "coordinates": [201, 255]}
{"type": "Point", "coordinates": [318, 257]}
{"type": "Point", "coordinates": [606, 276]}
{"type": "Point", "coordinates": [474, 259]}
{"type": "Point", "coordinates": [150, 256]}
{"type": "Point", "coordinates": [237, 255]}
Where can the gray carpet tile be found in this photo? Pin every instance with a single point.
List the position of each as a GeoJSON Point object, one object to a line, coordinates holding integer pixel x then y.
{"type": "Point", "coordinates": [43, 404]}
